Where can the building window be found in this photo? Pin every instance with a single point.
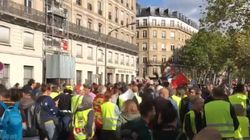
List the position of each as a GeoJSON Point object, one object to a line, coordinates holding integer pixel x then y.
{"type": "Point", "coordinates": [154, 46]}
{"type": "Point", "coordinates": [116, 58]}
{"type": "Point", "coordinates": [144, 34]}
{"type": "Point", "coordinates": [116, 14]}
{"type": "Point", "coordinates": [122, 77]}
{"type": "Point", "coordinates": [6, 75]}
{"type": "Point", "coordinates": [132, 61]}
{"type": "Point", "coordinates": [171, 23]}
{"type": "Point", "coordinates": [5, 34]}
{"type": "Point", "coordinates": [127, 60]}
{"type": "Point", "coordinates": [127, 76]}
{"type": "Point", "coordinates": [28, 73]}
{"type": "Point", "coordinates": [99, 27]}
{"type": "Point", "coordinates": [144, 60]}
{"type": "Point", "coordinates": [100, 55]}
{"type": "Point", "coordinates": [172, 47]}
{"type": "Point", "coordinates": [79, 50]}
{"type": "Point", "coordinates": [122, 59]}
{"type": "Point", "coordinates": [137, 23]}
{"type": "Point", "coordinates": [90, 76]}
{"type": "Point", "coordinates": [117, 78]}
{"type": "Point", "coordinates": [90, 53]}
{"type": "Point", "coordinates": [110, 57]}
{"type": "Point", "coordinates": [28, 40]}
{"type": "Point", "coordinates": [163, 22]}
{"type": "Point", "coordinates": [90, 24]}
{"type": "Point", "coordinates": [163, 47]}
{"type": "Point", "coordinates": [154, 22]}
{"type": "Point", "coordinates": [110, 16]}
{"type": "Point", "coordinates": [89, 6]}
{"type": "Point", "coordinates": [155, 34]}
{"type": "Point", "coordinates": [122, 1]}
{"type": "Point", "coordinates": [164, 35]}
{"type": "Point", "coordinates": [155, 70]}
{"type": "Point", "coordinates": [28, 6]}
{"type": "Point", "coordinates": [137, 34]}
{"type": "Point", "coordinates": [145, 22]}
{"type": "Point", "coordinates": [154, 58]}
{"type": "Point", "coordinates": [99, 5]}
{"type": "Point", "coordinates": [78, 77]}
{"type": "Point", "coordinates": [144, 46]}
{"type": "Point", "coordinates": [78, 21]}
{"type": "Point", "coordinates": [79, 2]}
{"type": "Point", "coordinates": [172, 35]}
{"type": "Point", "coordinates": [164, 58]}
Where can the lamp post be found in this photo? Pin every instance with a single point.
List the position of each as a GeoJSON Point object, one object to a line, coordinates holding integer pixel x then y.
{"type": "Point", "coordinates": [106, 45]}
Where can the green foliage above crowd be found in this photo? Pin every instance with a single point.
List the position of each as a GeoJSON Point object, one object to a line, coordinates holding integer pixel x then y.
{"type": "Point", "coordinates": [223, 41]}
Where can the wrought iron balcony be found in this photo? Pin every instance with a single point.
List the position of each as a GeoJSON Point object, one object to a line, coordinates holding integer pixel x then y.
{"type": "Point", "coordinates": [10, 11]}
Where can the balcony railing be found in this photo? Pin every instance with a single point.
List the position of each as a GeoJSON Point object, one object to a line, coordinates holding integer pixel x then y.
{"type": "Point", "coordinates": [16, 10]}
{"type": "Point", "coordinates": [12, 8]}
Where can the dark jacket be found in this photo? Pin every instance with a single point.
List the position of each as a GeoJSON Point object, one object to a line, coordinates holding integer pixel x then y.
{"type": "Point", "coordinates": [169, 133]}
{"type": "Point", "coordinates": [198, 124]}
{"type": "Point", "coordinates": [142, 129]}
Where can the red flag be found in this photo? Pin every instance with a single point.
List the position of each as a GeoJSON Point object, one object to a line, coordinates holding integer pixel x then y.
{"type": "Point", "coordinates": [179, 80]}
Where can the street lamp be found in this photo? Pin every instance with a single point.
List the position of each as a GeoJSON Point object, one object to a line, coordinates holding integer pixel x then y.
{"type": "Point", "coordinates": [106, 45]}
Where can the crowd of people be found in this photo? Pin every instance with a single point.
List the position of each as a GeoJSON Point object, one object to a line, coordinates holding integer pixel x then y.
{"type": "Point", "coordinates": [141, 110]}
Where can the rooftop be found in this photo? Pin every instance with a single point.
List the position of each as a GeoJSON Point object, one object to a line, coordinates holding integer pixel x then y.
{"type": "Point", "coordinates": [162, 12]}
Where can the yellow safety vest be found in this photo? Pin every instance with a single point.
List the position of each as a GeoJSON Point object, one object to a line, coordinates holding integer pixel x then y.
{"type": "Point", "coordinates": [242, 131]}
{"type": "Point", "coordinates": [192, 121]}
{"type": "Point", "coordinates": [239, 98]}
{"type": "Point", "coordinates": [218, 116]}
{"type": "Point", "coordinates": [80, 121]}
{"type": "Point", "coordinates": [76, 100]}
{"type": "Point", "coordinates": [177, 100]}
{"type": "Point", "coordinates": [53, 94]}
{"type": "Point", "coordinates": [109, 117]}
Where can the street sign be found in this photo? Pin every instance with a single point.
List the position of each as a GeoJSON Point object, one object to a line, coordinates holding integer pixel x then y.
{"type": "Point", "coordinates": [1, 70]}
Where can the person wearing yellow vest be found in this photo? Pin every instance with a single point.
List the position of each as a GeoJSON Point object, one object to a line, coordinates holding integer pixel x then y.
{"type": "Point", "coordinates": [84, 124]}
{"type": "Point", "coordinates": [193, 119]}
{"type": "Point", "coordinates": [243, 131]}
{"type": "Point", "coordinates": [110, 114]}
{"type": "Point", "coordinates": [220, 115]}
{"type": "Point", "coordinates": [55, 92]}
{"type": "Point", "coordinates": [77, 98]}
{"type": "Point", "coordinates": [239, 97]}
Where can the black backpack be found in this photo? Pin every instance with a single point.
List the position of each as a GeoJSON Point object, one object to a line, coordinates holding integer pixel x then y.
{"type": "Point", "coordinates": [31, 130]}
{"type": "Point", "coordinates": [127, 131]}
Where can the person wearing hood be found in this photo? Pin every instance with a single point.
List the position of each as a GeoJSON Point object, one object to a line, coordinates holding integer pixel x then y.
{"type": "Point", "coordinates": [84, 124]}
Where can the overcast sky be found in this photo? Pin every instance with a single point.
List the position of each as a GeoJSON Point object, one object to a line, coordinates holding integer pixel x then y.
{"type": "Point", "coordinates": [190, 8]}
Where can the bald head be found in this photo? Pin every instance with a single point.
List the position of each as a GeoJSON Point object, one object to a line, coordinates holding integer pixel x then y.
{"type": "Point", "coordinates": [208, 134]}
{"type": "Point", "coordinates": [164, 93]}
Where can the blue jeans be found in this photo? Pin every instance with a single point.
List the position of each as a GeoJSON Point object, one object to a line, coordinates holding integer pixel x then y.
{"type": "Point", "coordinates": [51, 130]}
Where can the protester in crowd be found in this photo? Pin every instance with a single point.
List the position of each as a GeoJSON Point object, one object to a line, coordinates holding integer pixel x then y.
{"type": "Point", "coordinates": [84, 120]}
{"type": "Point", "coordinates": [77, 98]}
{"type": "Point", "coordinates": [130, 112]}
{"type": "Point", "coordinates": [185, 104]}
{"type": "Point", "coordinates": [55, 91]}
{"type": "Point", "coordinates": [240, 97]}
{"type": "Point", "coordinates": [243, 130]}
{"type": "Point", "coordinates": [64, 106]}
{"type": "Point", "coordinates": [116, 93]}
{"type": "Point", "coordinates": [137, 99]}
{"type": "Point", "coordinates": [27, 104]}
{"type": "Point", "coordinates": [11, 118]}
{"type": "Point", "coordinates": [88, 90]}
{"type": "Point", "coordinates": [46, 114]}
{"type": "Point", "coordinates": [193, 119]}
{"type": "Point", "coordinates": [17, 86]}
{"type": "Point", "coordinates": [147, 95]}
{"type": "Point", "coordinates": [37, 90]}
{"type": "Point", "coordinates": [208, 134]}
{"type": "Point", "coordinates": [98, 101]}
{"type": "Point", "coordinates": [110, 114]}
{"type": "Point", "coordinates": [220, 114]}
{"type": "Point", "coordinates": [168, 124]}
{"type": "Point", "coordinates": [176, 97]}
{"type": "Point", "coordinates": [140, 129]}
